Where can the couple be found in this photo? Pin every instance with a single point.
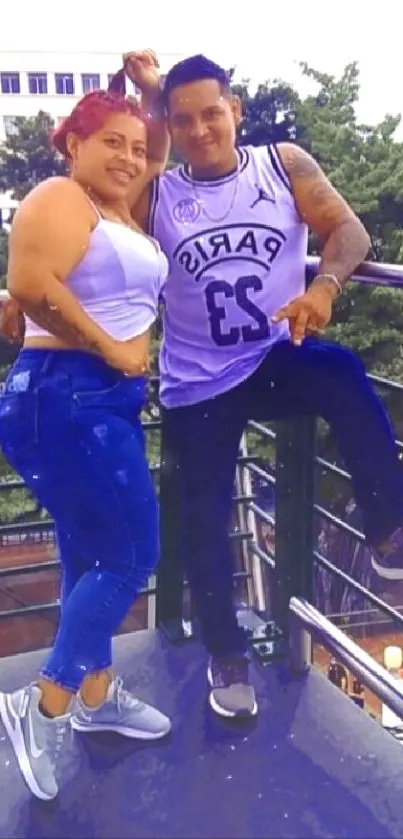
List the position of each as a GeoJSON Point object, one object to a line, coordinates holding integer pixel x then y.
{"type": "Point", "coordinates": [223, 240]}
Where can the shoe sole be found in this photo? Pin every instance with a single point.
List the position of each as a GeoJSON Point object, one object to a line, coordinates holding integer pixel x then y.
{"type": "Point", "coordinates": [134, 734]}
{"type": "Point", "coordinates": [394, 574]}
{"type": "Point", "coordinates": [244, 713]}
{"type": "Point", "coordinates": [17, 741]}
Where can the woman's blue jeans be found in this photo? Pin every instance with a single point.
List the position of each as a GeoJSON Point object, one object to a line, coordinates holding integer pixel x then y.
{"type": "Point", "coordinates": [70, 426]}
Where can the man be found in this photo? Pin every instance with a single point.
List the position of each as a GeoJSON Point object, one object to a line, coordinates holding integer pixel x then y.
{"type": "Point", "coordinates": [234, 224]}
{"type": "Point", "coordinates": [238, 341]}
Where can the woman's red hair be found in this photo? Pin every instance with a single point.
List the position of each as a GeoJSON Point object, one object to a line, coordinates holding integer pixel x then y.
{"type": "Point", "coordinates": [90, 114]}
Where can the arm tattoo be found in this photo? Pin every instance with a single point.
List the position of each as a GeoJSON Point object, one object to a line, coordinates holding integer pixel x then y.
{"type": "Point", "coordinates": [346, 242]}
{"type": "Point", "coordinates": [49, 317]}
{"type": "Point", "coordinates": [345, 249]}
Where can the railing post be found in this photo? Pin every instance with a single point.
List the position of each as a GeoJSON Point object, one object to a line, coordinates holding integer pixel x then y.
{"type": "Point", "coordinates": [295, 447]}
{"type": "Point", "coordinates": [169, 593]}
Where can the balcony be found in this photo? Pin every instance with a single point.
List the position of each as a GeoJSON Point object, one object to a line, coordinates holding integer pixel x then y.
{"type": "Point", "coordinates": [314, 764]}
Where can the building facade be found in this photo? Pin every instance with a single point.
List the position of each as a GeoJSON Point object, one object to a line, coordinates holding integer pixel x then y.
{"type": "Point", "coordinates": [53, 82]}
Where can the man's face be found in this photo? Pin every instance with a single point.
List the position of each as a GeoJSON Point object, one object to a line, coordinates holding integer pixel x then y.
{"type": "Point", "coordinates": [202, 123]}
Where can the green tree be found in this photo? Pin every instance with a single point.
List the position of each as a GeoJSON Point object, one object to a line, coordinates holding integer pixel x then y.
{"type": "Point", "coordinates": [365, 163]}
{"type": "Point", "coordinates": [27, 157]}
{"type": "Point", "coordinates": [269, 115]}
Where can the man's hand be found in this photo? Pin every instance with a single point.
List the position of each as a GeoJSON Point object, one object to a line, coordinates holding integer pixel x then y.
{"type": "Point", "coordinates": [142, 68]}
{"type": "Point", "coordinates": [308, 314]}
{"type": "Point", "coordinates": [12, 322]}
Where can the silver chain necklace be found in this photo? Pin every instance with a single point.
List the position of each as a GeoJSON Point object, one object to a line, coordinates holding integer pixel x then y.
{"type": "Point", "coordinates": [202, 204]}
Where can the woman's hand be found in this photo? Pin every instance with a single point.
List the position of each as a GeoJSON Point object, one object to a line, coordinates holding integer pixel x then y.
{"type": "Point", "coordinates": [12, 322]}
{"type": "Point", "coordinates": [142, 68]}
{"type": "Point", "coordinates": [129, 357]}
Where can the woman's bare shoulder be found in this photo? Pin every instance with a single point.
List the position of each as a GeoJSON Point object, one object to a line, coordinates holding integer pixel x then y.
{"type": "Point", "coordinates": [52, 195]}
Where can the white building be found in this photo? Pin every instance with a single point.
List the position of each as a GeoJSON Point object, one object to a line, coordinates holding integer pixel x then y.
{"type": "Point", "coordinates": [53, 82]}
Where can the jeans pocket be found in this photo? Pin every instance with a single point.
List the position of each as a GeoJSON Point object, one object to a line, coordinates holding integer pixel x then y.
{"type": "Point", "coordinates": [130, 392]}
{"type": "Point", "coordinates": [18, 423]}
{"type": "Point", "coordinates": [97, 395]}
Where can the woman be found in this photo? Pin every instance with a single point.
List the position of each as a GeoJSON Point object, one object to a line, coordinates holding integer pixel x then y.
{"type": "Point", "coordinates": [88, 281]}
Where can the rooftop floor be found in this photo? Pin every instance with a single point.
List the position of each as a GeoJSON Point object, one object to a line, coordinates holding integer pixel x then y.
{"type": "Point", "coordinates": [312, 765]}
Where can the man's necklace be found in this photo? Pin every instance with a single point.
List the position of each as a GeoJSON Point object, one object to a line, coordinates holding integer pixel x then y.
{"type": "Point", "coordinates": [202, 203]}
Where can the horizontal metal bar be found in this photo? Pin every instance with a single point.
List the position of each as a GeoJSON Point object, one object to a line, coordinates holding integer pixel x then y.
{"type": "Point", "coordinates": [331, 467]}
{"type": "Point", "coordinates": [257, 470]}
{"type": "Point", "coordinates": [342, 525]}
{"type": "Point", "coordinates": [241, 534]}
{"type": "Point", "coordinates": [387, 383]}
{"type": "Point", "coordinates": [241, 575]}
{"type": "Point", "coordinates": [29, 610]}
{"type": "Point", "coordinates": [42, 525]}
{"type": "Point", "coordinates": [354, 584]}
{"type": "Point", "coordinates": [265, 432]}
{"type": "Point", "coordinates": [266, 517]}
{"type": "Point", "coordinates": [16, 483]}
{"type": "Point", "coordinates": [381, 273]}
{"type": "Point", "coordinates": [375, 273]}
{"type": "Point", "coordinates": [38, 609]}
{"type": "Point", "coordinates": [243, 499]}
{"type": "Point", "coordinates": [305, 618]}
{"type": "Point", "coordinates": [367, 613]}
{"type": "Point", "coordinates": [266, 556]}
{"type": "Point", "coordinates": [246, 459]}
{"type": "Point", "coordinates": [32, 568]}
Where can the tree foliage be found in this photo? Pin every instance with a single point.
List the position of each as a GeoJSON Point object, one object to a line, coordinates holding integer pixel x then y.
{"type": "Point", "coordinates": [27, 158]}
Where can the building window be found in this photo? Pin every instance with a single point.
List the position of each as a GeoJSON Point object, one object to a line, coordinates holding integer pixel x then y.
{"type": "Point", "coordinates": [37, 83]}
{"type": "Point", "coordinates": [10, 126]}
{"type": "Point", "coordinates": [10, 82]}
{"type": "Point", "coordinates": [64, 84]}
{"type": "Point", "coordinates": [90, 81]}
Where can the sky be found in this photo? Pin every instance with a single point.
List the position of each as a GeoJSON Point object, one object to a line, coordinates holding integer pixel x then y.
{"type": "Point", "coordinates": [262, 39]}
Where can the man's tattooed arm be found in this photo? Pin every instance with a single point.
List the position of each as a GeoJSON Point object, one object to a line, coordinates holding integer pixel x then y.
{"type": "Point", "coordinates": [345, 240]}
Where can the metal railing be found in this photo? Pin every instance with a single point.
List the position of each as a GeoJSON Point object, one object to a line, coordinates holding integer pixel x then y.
{"type": "Point", "coordinates": [307, 623]}
{"type": "Point", "coordinates": [293, 561]}
{"type": "Point", "coordinates": [296, 556]}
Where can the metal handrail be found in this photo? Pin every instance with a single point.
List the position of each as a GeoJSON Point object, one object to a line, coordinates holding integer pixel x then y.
{"type": "Point", "coordinates": [373, 273]}
{"type": "Point", "coordinates": [307, 623]}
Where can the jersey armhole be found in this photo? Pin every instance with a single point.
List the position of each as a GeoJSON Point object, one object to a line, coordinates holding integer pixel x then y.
{"type": "Point", "coordinates": [152, 205]}
{"type": "Point", "coordinates": [278, 166]}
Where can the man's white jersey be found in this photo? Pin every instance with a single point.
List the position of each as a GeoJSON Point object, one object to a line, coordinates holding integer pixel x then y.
{"type": "Point", "coordinates": [237, 250]}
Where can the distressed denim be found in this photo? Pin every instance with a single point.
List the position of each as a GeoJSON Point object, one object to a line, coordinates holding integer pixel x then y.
{"type": "Point", "coordinates": [69, 425]}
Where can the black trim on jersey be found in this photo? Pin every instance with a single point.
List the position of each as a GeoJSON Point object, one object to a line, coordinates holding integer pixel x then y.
{"type": "Point", "coordinates": [152, 206]}
{"type": "Point", "coordinates": [278, 166]}
{"type": "Point", "coordinates": [243, 162]}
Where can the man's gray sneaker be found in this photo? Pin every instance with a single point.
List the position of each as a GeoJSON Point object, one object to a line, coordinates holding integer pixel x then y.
{"type": "Point", "coordinates": [124, 714]}
{"type": "Point", "coordinates": [388, 564]}
{"type": "Point", "coordinates": [36, 739]}
{"type": "Point", "coordinates": [231, 693]}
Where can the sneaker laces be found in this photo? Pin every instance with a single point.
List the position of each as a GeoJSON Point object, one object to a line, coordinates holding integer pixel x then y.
{"type": "Point", "coordinates": [125, 700]}
{"type": "Point", "coordinates": [229, 671]}
{"type": "Point", "coordinates": [55, 738]}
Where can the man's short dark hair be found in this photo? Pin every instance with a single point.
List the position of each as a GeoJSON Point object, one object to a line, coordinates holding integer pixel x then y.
{"type": "Point", "coordinates": [197, 68]}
